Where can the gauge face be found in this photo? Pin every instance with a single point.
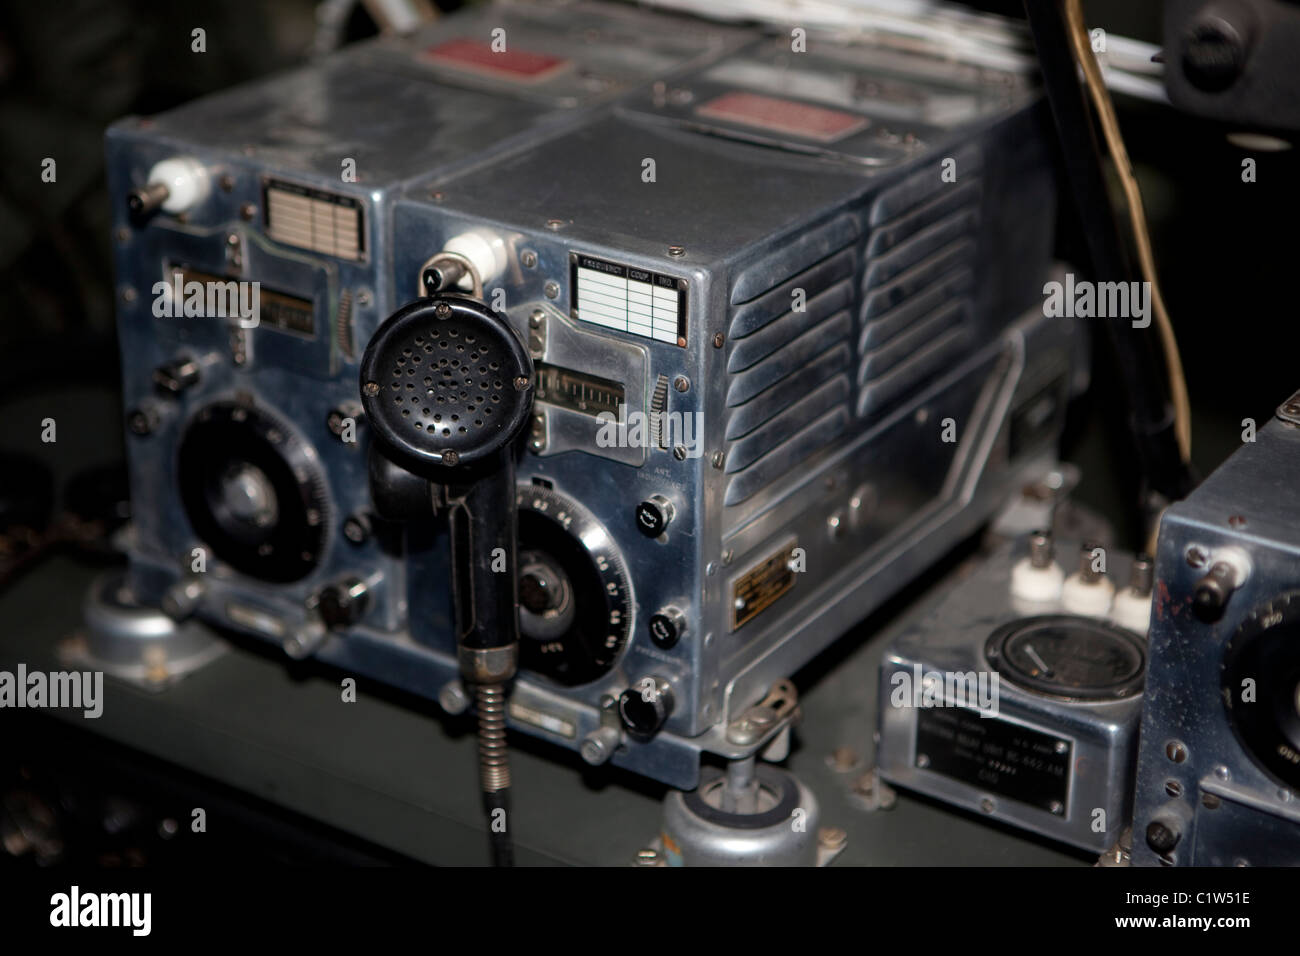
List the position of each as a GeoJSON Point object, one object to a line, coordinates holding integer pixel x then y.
{"type": "Point", "coordinates": [1076, 658]}
{"type": "Point", "coordinates": [575, 604]}
{"type": "Point", "coordinates": [1261, 686]}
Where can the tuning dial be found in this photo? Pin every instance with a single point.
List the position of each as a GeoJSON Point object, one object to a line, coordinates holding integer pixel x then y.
{"type": "Point", "coordinates": [667, 627]}
{"type": "Point", "coordinates": [343, 603]}
{"type": "Point", "coordinates": [645, 706]}
{"type": "Point", "coordinates": [654, 515]}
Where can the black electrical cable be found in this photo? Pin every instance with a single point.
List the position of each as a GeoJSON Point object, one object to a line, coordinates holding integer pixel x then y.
{"type": "Point", "coordinates": [1137, 356]}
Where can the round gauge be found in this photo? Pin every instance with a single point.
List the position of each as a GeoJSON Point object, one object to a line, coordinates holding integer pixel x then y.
{"type": "Point", "coordinates": [575, 604]}
{"type": "Point", "coordinates": [1076, 658]}
{"type": "Point", "coordinates": [253, 492]}
{"type": "Point", "coordinates": [1261, 686]}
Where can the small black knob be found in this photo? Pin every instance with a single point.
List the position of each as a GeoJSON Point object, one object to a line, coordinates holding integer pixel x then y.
{"type": "Point", "coordinates": [1214, 54]}
{"type": "Point", "coordinates": [654, 515]}
{"type": "Point", "coordinates": [645, 706]}
{"type": "Point", "coordinates": [1212, 592]}
{"type": "Point", "coordinates": [1161, 837]}
{"type": "Point", "coordinates": [177, 375]}
{"type": "Point", "coordinates": [344, 603]}
{"type": "Point", "coordinates": [667, 627]}
{"type": "Point", "coordinates": [143, 202]}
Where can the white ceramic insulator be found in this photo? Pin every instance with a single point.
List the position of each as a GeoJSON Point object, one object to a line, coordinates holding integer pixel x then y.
{"type": "Point", "coordinates": [1091, 598]}
{"type": "Point", "coordinates": [1029, 583]}
{"type": "Point", "coordinates": [1132, 610]}
{"type": "Point", "coordinates": [187, 182]}
{"type": "Point", "coordinates": [486, 252]}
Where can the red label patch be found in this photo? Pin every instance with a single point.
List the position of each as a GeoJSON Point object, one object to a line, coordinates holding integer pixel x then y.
{"type": "Point", "coordinates": [476, 57]}
{"type": "Point", "coordinates": [782, 116]}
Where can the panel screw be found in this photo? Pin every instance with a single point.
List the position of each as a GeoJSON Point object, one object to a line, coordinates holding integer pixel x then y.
{"type": "Point", "coordinates": [357, 527]}
{"type": "Point", "coordinates": [521, 382]}
{"type": "Point", "coordinates": [142, 421]}
{"type": "Point", "coordinates": [442, 310]}
{"type": "Point", "coordinates": [1196, 556]}
{"type": "Point", "coordinates": [528, 258]}
{"type": "Point", "coordinates": [372, 388]}
{"type": "Point", "coordinates": [247, 212]}
{"type": "Point", "coordinates": [831, 838]}
{"type": "Point", "coordinates": [676, 251]}
{"type": "Point", "coordinates": [718, 339]}
{"type": "Point", "coordinates": [227, 183]}
{"type": "Point", "coordinates": [679, 452]}
{"type": "Point", "coordinates": [719, 459]}
{"type": "Point", "coordinates": [552, 289]}
{"type": "Point", "coordinates": [452, 698]}
{"type": "Point", "coordinates": [435, 195]}
{"type": "Point", "coordinates": [682, 383]}
{"type": "Point", "coordinates": [554, 224]}
{"type": "Point", "coordinates": [843, 759]}
{"type": "Point", "coordinates": [128, 294]}
{"type": "Point", "coordinates": [450, 457]}
{"type": "Point", "coordinates": [338, 415]}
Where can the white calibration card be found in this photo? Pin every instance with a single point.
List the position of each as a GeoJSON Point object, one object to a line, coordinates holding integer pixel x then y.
{"type": "Point", "coordinates": [628, 299]}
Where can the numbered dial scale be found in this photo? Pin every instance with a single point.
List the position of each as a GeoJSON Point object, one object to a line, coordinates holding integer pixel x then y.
{"type": "Point", "coordinates": [1261, 686]}
{"type": "Point", "coordinates": [575, 603]}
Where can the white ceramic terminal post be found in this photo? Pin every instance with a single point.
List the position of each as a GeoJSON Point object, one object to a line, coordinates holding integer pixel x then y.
{"type": "Point", "coordinates": [186, 180]}
{"type": "Point", "coordinates": [1037, 578]}
{"type": "Point", "coordinates": [1132, 608]}
{"type": "Point", "coordinates": [486, 252]}
{"type": "Point", "coordinates": [1089, 591]}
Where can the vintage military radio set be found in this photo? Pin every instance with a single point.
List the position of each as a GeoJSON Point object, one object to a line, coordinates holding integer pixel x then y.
{"type": "Point", "coordinates": [784, 311]}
